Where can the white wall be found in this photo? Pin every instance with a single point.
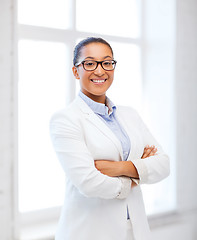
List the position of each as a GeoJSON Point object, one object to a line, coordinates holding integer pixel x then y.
{"type": "Point", "coordinates": [6, 118]}
{"type": "Point", "coordinates": [186, 96]}
{"type": "Point", "coordinates": [181, 225]}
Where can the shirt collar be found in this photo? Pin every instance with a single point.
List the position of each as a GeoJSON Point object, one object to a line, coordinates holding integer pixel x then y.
{"type": "Point", "coordinates": [99, 108]}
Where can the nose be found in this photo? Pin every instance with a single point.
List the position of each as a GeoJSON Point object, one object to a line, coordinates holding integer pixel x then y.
{"type": "Point", "coordinates": [99, 71]}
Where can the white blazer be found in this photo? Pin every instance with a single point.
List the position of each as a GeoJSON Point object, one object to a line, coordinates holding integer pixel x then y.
{"type": "Point", "coordinates": [91, 210]}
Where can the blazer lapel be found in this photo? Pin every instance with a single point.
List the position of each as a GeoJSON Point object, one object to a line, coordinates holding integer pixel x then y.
{"type": "Point", "coordinates": [94, 119]}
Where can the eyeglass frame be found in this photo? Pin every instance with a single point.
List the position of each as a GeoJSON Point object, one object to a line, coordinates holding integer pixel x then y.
{"type": "Point", "coordinates": [97, 63]}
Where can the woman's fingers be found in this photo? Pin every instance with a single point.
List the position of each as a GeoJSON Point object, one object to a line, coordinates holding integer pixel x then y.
{"type": "Point", "coordinates": [149, 151]}
{"type": "Point", "coordinates": [153, 151]}
{"type": "Point", "coordinates": [146, 152]}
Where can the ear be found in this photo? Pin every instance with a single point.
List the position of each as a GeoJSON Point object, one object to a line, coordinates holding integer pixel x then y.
{"type": "Point", "coordinates": [75, 72]}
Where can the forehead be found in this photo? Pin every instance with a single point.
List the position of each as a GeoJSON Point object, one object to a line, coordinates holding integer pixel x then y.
{"type": "Point", "coordinates": [96, 51]}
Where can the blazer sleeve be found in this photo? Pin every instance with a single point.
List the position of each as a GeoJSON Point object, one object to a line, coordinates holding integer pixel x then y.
{"type": "Point", "coordinates": [78, 164]}
{"type": "Point", "coordinates": [155, 168]}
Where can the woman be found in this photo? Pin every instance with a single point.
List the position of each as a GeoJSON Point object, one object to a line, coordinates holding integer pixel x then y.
{"type": "Point", "coordinates": [106, 152]}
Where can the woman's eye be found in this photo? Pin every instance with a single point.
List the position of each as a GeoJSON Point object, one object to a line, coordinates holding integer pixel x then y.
{"type": "Point", "coordinates": [107, 63]}
{"type": "Point", "coordinates": [89, 63]}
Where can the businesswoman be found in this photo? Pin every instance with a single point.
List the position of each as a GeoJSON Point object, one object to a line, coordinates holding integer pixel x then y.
{"type": "Point", "coordinates": [107, 152]}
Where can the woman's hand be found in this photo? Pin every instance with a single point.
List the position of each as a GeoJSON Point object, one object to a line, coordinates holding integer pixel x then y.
{"type": "Point", "coordinates": [149, 151]}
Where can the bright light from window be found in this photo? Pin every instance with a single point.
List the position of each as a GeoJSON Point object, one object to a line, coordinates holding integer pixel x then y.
{"type": "Point", "coordinates": [160, 197]}
{"type": "Point", "coordinates": [111, 17]}
{"type": "Point", "coordinates": [127, 86]}
{"type": "Point", "coordinates": [45, 13]}
{"type": "Point", "coordinates": [42, 74]}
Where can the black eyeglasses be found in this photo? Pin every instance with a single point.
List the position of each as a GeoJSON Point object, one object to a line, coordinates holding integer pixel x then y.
{"type": "Point", "coordinates": [90, 65]}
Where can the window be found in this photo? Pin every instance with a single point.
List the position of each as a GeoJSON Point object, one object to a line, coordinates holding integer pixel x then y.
{"type": "Point", "coordinates": [37, 101]}
{"type": "Point", "coordinates": [47, 34]}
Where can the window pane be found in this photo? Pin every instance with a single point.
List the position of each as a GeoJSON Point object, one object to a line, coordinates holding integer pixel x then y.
{"type": "Point", "coordinates": [46, 13]}
{"type": "Point", "coordinates": [160, 197]}
{"type": "Point", "coordinates": [110, 17]}
{"type": "Point", "coordinates": [42, 75]}
{"type": "Point", "coordinates": [126, 88]}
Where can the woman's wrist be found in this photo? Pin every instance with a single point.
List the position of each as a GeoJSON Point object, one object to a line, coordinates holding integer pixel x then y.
{"type": "Point", "coordinates": [129, 170]}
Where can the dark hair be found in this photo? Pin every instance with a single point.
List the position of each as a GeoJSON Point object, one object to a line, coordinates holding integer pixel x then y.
{"type": "Point", "coordinates": [83, 43]}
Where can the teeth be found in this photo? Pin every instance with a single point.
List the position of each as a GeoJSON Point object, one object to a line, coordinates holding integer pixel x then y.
{"type": "Point", "coordinates": [99, 81]}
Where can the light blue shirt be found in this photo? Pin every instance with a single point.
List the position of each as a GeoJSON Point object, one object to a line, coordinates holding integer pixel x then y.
{"type": "Point", "coordinates": [108, 116]}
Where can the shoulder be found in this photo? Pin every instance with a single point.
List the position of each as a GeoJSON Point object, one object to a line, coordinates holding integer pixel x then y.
{"type": "Point", "coordinates": [64, 112]}
{"type": "Point", "coordinates": [70, 115]}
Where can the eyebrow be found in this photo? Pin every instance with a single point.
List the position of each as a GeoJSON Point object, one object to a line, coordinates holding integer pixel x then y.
{"type": "Point", "coordinates": [94, 58]}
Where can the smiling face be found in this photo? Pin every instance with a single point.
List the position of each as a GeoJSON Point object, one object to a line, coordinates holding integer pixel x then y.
{"type": "Point", "coordinates": [94, 84]}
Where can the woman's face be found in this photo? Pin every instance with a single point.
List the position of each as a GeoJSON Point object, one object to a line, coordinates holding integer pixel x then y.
{"type": "Point", "coordinates": [89, 86]}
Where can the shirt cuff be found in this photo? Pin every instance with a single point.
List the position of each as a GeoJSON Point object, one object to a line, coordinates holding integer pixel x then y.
{"type": "Point", "coordinates": [125, 188]}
